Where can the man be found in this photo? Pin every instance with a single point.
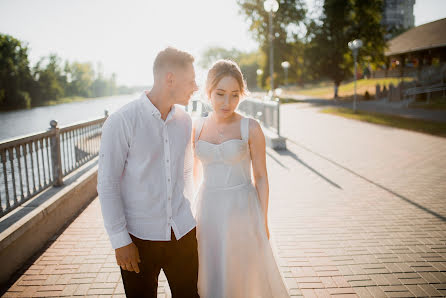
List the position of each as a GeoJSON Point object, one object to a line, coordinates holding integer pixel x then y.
{"type": "Point", "coordinates": [144, 182]}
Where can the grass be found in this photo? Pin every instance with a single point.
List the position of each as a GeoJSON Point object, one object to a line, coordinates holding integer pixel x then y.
{"type": "Point", "coordinates": [326, 89]}
{"type": "Point", "coordinates": [429, 127]}
{"type": "Point", "coordinates": [288, 100]}
{"type": "Point", "coordinates": [436, 103]}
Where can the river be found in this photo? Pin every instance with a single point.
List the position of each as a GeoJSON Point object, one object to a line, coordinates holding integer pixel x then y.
{"type": "Point", "coordinates": [22, 122]}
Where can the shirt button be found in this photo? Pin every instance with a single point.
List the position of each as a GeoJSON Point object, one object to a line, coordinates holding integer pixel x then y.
{"type": "Point", "coordinates": [167, 160]}
{"type": "Point", "coordinates": [169, 198]}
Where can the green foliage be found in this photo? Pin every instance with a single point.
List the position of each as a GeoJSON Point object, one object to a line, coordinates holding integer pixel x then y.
{"type": "Point", "coordinates": [424, 126]}
{"type": "Point", "coordinates": [213, 54]}
{"type": "Point", "coordinates": [287, 22]}
{"type": "Point", "coordinates": [248, 62]}
{"type": "Point", "coordinates": [15, 74]}
{"type": "Point", "coordinates": [323, 51]}
{"type": "Point", "coordinates": [49, 80]}
{"type": "Point", "coordinates": [82, 76]}
{"type": "Point", "coordinates": [343, 21]}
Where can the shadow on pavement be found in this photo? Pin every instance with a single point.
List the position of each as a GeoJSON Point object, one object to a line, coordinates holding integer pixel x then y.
{"type": "Point", "coordinates": [276, 160]}
{"type": "Point", "coordinates": [439, 216]}
{"type": "Point", "coordinates": [295, 157]}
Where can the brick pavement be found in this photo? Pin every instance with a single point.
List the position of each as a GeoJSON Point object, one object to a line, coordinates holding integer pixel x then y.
{"type": "Point", "coordinates": [356, 210]}
{"type": "Point", "coordinates": [79, 262]}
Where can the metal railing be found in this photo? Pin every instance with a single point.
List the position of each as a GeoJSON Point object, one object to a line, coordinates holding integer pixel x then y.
{"type": "Point", "coordinates": [412, 92]}
{"type": "Point", "coordinates": [34, 162]}
{"type": "Point", "coordinates": [266, 111]}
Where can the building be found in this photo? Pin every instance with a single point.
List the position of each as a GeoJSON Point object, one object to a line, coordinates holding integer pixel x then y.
{"type": "Point", "coordinates": [398, 15]}
{"type": "Point", "coordinates": [420, 53]}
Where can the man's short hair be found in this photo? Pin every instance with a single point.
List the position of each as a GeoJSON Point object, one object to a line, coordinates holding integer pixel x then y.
{"type": "Point", "coordinates": [171, 57]}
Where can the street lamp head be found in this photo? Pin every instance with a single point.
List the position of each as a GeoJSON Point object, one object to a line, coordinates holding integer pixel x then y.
{"type": "Point", "coordinates": [271, 5]}
{"type": "Point", "coordinates": [355, 44]}
{"type": "Point", "coordinates": [259, 72]}
{"type": "Point", "coordinates": [285, 64]}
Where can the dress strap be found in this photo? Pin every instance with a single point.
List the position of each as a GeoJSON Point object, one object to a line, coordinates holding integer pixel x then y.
{"type": "Point", "coordinates": [245, 128]}
{"type": "Point", "coordinates": [198, 126]}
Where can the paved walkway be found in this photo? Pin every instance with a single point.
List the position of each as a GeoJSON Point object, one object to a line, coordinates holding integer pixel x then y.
{"type": "Point", "coordinates": [356, 210]}
{"type": "Point", "coordinates": [359, 208]}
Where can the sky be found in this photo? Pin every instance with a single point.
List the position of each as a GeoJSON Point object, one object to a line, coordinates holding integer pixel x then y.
{"type": "Point", "coordinates": [125, 36]}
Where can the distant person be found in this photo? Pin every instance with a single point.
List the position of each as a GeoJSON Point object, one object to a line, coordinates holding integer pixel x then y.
{"type": "Point", "coordinates": [235, 256]}
{"type": "Point", "coordinates": [145, 182]}
{"type": "Point", "coordinates": [366, 72]}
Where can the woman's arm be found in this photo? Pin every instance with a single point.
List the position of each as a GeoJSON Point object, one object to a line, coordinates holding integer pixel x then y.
{"type": "Point", "coordinates": [258, 157]}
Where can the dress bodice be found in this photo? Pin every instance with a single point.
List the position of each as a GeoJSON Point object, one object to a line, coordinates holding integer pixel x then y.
{"type": "Point", "coordinates": [227, 164]}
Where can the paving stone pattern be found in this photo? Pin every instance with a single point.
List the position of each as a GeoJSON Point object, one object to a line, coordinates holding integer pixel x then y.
{"type": "Point", "coordinates": [356, 210]}
{"type": "Point", "coordinates": [80, 262]}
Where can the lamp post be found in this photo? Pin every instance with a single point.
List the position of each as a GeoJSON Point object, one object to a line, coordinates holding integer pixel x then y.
{"type": "Point", "coordinates": [270, 7]}
{"type": "Point", "coordinates": [285, 66]}
{"type": "Point", "coordinates": [355, 45]}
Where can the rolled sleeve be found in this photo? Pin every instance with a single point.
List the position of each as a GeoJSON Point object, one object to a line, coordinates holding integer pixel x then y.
{"type": "Point", "coordinates": [115, 143]}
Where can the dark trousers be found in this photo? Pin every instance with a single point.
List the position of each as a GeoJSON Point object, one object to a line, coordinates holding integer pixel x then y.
{"type": "Point", "coordinates": [177, 258]}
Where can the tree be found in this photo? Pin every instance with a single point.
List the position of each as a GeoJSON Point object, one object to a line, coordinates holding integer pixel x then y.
{"type": "Point", "coordinates": [49, 80]}
{"type": "Point", "coordinates": [287, 21]}
{"type": "Point", "coordinates": [341, 22]}
{"type": "Point", "coordinates": [212, 54]}
{"type": "Point", "coordinates": [82, 76]}
{"type": "Point", "coordinates": [15, 75]}
{"type": "Point", "coordinates": [248, 62]}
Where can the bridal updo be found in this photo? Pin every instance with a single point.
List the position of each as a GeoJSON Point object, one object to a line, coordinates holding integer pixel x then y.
{"type": "Point", "coordinates": [221, 69]}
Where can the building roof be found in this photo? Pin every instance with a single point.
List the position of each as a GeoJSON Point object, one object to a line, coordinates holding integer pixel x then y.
{"type": "Point", "coordinates": [424, 37]}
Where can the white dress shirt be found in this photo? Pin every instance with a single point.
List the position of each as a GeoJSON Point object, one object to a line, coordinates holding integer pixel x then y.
{"type": "Point", "coordinates": [145, 173]}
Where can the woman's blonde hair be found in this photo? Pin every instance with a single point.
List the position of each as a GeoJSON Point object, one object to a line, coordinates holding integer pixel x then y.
{"type": "Point", "coordinates": [221, 69]}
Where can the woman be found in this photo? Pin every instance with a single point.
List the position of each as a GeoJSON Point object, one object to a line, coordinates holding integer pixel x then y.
{"type": "Point", "coordinates": [235, 257]}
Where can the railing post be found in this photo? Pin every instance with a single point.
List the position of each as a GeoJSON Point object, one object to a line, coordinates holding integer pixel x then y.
{"type": "Point", "coordinates": [55, 154]}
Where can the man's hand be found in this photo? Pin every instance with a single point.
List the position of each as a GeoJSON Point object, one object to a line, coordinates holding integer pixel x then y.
{"type": "Point", "coordinates": [127, 257]}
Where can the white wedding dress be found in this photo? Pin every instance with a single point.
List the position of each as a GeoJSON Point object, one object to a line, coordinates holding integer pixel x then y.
{"type": "Point", "coordinates": [235, 257]}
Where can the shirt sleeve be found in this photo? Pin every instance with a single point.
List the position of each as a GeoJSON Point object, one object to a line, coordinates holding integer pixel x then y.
{"type": "Point", "coordinates": [115, 144]}
{"type": "Point", "coordinates": [188, 164]}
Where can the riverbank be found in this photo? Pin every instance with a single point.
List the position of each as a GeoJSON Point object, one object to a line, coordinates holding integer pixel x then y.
{"type": "Point", "coordinates": [67, 100]}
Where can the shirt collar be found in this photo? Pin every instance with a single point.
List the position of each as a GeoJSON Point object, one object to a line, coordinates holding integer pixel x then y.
{"type": "Point", "coordinates": [154, 111]}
